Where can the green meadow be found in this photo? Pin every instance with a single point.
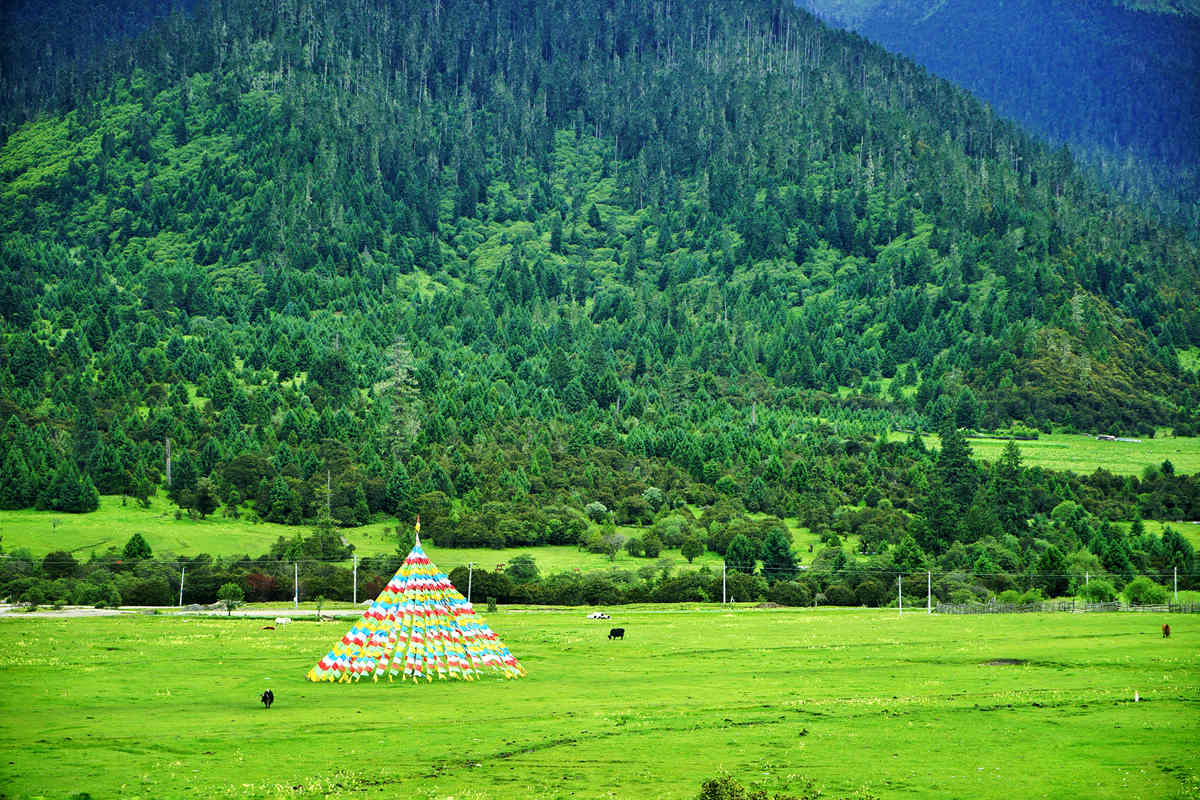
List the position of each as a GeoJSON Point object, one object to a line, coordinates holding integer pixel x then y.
{"type": "Point", "coordinates": [853, 703]}
{"type": "Point", "coordinates": [118, 518]}
{"type": "Point", "coordinates": [1084, 454]}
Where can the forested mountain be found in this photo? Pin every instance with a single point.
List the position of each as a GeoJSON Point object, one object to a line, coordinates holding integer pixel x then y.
{"type": "Point", "coordinates": [1116, 81]}
{"type": "Point", "coordinates": [503, 262]}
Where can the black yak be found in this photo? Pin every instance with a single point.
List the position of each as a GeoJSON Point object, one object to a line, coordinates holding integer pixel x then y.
{"type": "Point", "coordinates": [1166, 631]}
{"type": "Point", "coordinates": [616, 633]}
{"type": "Point", "coordinates": [267, 698]}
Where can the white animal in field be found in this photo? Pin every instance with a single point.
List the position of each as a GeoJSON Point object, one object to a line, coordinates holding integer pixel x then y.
{"type": "Point", "coordinates": [598, 615]}
{"type": "Point", "coordinates": [282, 621]}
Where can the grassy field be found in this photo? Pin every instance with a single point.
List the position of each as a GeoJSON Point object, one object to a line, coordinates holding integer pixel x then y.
{"type": "Point", "coordinates": [112, 525]}
{"type": "Point", "coordinates": [912, 706]}
{"type": "Point", "coordinates": [1084, 454]}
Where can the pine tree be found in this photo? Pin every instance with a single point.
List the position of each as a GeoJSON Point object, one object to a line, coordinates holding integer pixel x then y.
{"type": "Point", "coordinates": [742, 554]}
{"type": "Point", "coordinates": [955, 469]}
{"type": "Point", "coordinates": [779, 562]}
{"type": "Point", "coordinates": [399, 494]}
{"type": "Point", "coordinates": [136, 548]}
{"type": "Point", "coordinates": [16, 483]}
{"type": "Point", "coordinates": [1008, 493]}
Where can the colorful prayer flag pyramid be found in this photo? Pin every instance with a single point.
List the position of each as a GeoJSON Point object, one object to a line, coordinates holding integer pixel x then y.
{"type": "Point", "coordinates": [418, 627]}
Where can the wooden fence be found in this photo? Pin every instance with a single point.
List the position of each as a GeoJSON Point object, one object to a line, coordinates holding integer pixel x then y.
{"type": "Point", "coordinates": [1061, 605]}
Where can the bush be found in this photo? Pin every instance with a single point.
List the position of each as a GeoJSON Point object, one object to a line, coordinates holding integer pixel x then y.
{"type": "Point", "coordinates": [145, 591]}
{"type": "Point", "coordinates": [871, 593]}
{"type": "Point", "coordinates": [839, 594]}
{"type": "Point", "coordinates": [746, 588]}
{"type": "Point", "coordinates": [790, 593]}
{"type": "Point", "coordinates": [1141, 591]}
{"type": "Point", "coordinates": [724, 787]}
{"type": "Point", "coordinates": [962, 597]}
{"type": "Point", "coordinates": [596, 511]}
{"type": "Point", "coordinates": [1032, 596]}
{"type": "Point", "coordinates": [1098, 590]}
{"type": "Point", "coordinates": [34, 596]}
{"type": "Point", "coordinates": [651, 545]}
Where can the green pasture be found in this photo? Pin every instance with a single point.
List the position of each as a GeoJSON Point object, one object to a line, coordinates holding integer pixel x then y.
{"type": "Point", "coordinates": [1084, 454]}
{"type": "Point", "coordinates": [118, 519]}
{"type": "Point", "coordinates": [1189, 530]}
{"type": "Point", "coordinates": [903, 706]}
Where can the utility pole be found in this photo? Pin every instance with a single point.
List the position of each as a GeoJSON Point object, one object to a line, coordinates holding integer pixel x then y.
{"type": "Point", "coordinates": [929, 592]}
{"type": "Point", "coordinates": [470, 576]}
{"type": "Point", "coordinates": [296, 584]}
{"type": "Point", "coordinates": [722, 583]}
{"type": "Point", "coordinates": [356, 579]}
{"type": "Point", "coordinates": [900, 594]}
{"type": "Point", "coordinates": [168, 462]}
{"type": "Point", "coordinates": [1175, 573]}
{"type": "Point", "coordinates": [182, 573]}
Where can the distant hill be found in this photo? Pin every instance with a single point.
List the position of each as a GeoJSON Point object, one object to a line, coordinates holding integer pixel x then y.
{"type": "Point", "coordinates": [1115, 81]}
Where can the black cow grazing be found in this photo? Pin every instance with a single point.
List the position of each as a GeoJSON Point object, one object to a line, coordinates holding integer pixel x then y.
{"type": "Point", "coordinates": [267, 698]}
{"type": "Point", "coordinates": [1166, 631]}
{"type": "Point", "coordinates": [616, 633]}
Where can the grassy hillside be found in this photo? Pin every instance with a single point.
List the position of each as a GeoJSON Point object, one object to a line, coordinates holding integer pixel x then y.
{"type": "Point", "coordinates": [1084, 454]}
{"type": "Point", "coordinates": [862, 703]}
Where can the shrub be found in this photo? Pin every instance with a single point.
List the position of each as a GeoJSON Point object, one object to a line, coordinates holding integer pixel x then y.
{"type": "Point", "coordinates": [59, 564]}
{"type": "Point", "coordinates": [154, 591]}
{"type": "Point", "coordinates": [1032, 596]}
{"type": "Point", "coordinates": [651, 545]}
{"type": "Point", "coordinates": [790, 593]}
{"type": "Point", "coordinates": [1098, 590]}
{"type": "Point", "coordinates": [33, 597]}
{"type": "Point", "coordinates": [1141, 591]}
{"type": "Point", "coordinates": [596, 511]}
{"type": "Point", "coordinates": [962, 597]}
{"type": "Point", "coordinates": [745, 588]}
{"type": "Point", "coordinates": [654, 497]}
{"type": "Point", "coordinates": [839, 594]}
{"type": "Point", "coordinates": [724, 787]}
{"type": "Point", "coordinates": [870, 593]}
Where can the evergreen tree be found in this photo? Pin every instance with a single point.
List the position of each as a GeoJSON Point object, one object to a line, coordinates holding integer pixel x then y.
{"type": "Point", "coordinates": [1008, 494]}
{"type": "Point", "coordinates": [779, 562]}
{"type": "Point", "coordinates": [1051, 573]}
{"type": "Point", "coordinates": [136, 549]}
{"type": "Point", "coordinates": [955, 470]}
{"type": "Point", "coordinates": [69, 490]}
{"type": "Point", "coordinates": [106, 470]}
{"type": "Point", "coordinates": [908, 555]}
{"type": "Point", "coordinates": [742, 554]}
{"type": "Point", "coordinates": [16, 482]}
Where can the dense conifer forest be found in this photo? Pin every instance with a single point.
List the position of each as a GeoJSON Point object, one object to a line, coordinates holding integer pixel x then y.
{"type": "Point", "coordinates": [530, 269]}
